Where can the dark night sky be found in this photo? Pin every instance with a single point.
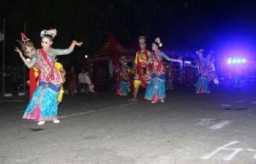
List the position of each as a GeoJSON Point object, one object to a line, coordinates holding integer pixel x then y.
{"type": "Point", "coordinates": [182, 24]}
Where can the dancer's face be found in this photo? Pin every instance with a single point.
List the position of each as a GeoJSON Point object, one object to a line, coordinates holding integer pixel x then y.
{"type": "Point", "coordinates": [46, 43]}
{"type": "Point", "coordinates": [142, 46]}
{"type": "Point", "coordinates": [200, 55]}
{"type": "Point", "coordinates": [30, 50]}
{"type": "Point", "coordinates": [154, 47]}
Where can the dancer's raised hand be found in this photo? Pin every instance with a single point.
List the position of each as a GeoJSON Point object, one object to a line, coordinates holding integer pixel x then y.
{"type": "Point", "coordinates": [18, 50]}
{"type": "Point", "coordinates": [77, 43]}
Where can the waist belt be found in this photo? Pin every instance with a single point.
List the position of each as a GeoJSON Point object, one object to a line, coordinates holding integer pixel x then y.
{"type": "Point", "coordinates": [161, 76]}
{"type": "Point", "coordinates": [51, 86]}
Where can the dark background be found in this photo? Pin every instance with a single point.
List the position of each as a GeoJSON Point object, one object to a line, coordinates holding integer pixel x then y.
{"type": "Point", "coordinates": [181, 24]}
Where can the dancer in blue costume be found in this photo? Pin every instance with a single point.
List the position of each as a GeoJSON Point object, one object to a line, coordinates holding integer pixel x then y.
{"type": "Point", "coordinates": [156, 88]}
{"type": "Point", "coordinates": [202, 84]}
{"type": "Point", "coordinates": [44, 105]}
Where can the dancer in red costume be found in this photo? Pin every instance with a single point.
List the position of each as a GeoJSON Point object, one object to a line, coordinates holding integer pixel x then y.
{"type": "Point", "coordinates": [141, 67]}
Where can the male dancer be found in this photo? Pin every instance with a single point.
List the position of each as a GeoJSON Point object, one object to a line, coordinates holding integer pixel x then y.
{"type": "Point", "coordinates": [141, 67]}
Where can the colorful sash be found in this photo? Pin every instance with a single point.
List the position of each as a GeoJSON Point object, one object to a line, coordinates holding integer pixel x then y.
{"type": "Point", "coordinates": [159, 65]}
{"type": "Point", "coordinates": [139, 70]}
{"type": "Point", "coordinates": [54, 75]}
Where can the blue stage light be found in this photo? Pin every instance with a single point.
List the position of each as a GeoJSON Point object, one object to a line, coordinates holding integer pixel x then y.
{"type": "Point", "coordinates": [236, 60]}
{"type": "Point", "coordinates": [229, 60]}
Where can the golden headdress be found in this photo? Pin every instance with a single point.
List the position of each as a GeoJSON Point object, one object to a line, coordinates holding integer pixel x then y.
{"type": "Point", "coordinates": [142, 40]}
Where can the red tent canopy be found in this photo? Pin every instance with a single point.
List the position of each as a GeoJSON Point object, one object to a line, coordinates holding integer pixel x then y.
{"type": "Point", "coordinates": [112, 50]}
{"type": "Point", "coordinates": [108, 57]}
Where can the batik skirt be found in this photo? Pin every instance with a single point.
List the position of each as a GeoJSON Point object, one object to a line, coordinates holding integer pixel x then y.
{"type": "Point", "coordinates": [124, 88]}
{"type": "Point", "coordinates": [202, 85]}
{"type": "Point", "coordinates": [156, 88]}
{"type": "Point", "coordinates": [44, 105]}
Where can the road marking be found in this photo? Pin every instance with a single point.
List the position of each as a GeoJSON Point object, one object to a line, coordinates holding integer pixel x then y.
{"type": "Point", "coordinates": [76, 114]}
{"type": "Point", "coordinates": [220, 125]}
{"type": "Point", "coordinates": [234, 151]}
{"type": "Point", "coordinates": [224, 147]}
{"type": "Point", "coordinates": [205, 121]}
{"type": "Point", "coordinates": [213, 123]}
{"type": "Point", "coordinates": [99, 110]}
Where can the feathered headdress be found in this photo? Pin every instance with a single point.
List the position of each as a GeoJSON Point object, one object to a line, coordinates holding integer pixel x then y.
{"type": "Point", "coordinates": [24, 38]}
{"type": "Point", "coordinates": [200, 51]}
{"type": "Point", "coordinates": [51, 32]}
{"type": "Point", "coordinates": [25, 42]}
{"type": "Point", "coordinates": [158, 42]}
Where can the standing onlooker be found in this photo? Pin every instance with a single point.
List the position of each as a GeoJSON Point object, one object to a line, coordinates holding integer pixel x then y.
{"type": "Point", "coordinates": [72, 81]}
{"type": "Point", "coordinates": [85, 83]}
{"type": "Point", "coordinates": [81, 82]}
{"type": "Point", "coordinates": [88, 81]}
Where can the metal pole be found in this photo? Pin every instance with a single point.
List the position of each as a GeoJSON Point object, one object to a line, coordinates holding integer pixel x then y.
{"type": "Point", "coordinates": [3, 73]}
{"type": "Point", "coordinates": [24, 67]}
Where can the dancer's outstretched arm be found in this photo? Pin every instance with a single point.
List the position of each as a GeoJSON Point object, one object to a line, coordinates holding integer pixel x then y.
{"type": "Point", "coordinates": [170, 59]}
{"type": "Point", "coordinates": [68, 50]}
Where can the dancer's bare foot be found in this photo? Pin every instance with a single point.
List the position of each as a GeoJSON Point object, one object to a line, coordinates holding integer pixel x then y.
{"type": "Point", "coordinates": [56, 121]}
{"type": "Point", "coordinates": [41, 123]}
{"type": "Point", "coordinates": [153, 102]}
{"type": "Point", "coordinates": [162, 101]}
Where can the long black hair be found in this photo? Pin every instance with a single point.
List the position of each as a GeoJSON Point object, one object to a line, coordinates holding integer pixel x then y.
{"type": "Point", "coordinates": [48, 36]}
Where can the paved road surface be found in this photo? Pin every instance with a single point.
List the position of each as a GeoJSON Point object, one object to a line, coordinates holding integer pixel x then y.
{"type": "Point", "coordinates": [106, 129]}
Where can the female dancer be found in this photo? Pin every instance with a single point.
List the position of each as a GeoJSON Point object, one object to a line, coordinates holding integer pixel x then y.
{"type": "Point", "coordinates": [44, 105]}
{"type": "Point", "coordinates": [212, 75]}
{"type": "Point", "coordinates": [202, 84]}
{"type": "Point", "coordinates": [156, 87]}
{"type": "Point", "coordinates": [28, 49]}
{"type": "Point", "coordinates": [124, 84]}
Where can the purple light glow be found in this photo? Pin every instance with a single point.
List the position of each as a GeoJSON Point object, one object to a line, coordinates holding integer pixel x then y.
{"type": "Point", "coordinates": [229, 60]}
{"type": "Point", "coordinates": [236, 61]}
